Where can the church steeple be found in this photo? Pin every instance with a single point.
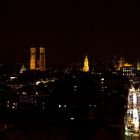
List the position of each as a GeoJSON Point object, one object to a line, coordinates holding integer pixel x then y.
{"type": "Point", "coordinates": [86, 64]}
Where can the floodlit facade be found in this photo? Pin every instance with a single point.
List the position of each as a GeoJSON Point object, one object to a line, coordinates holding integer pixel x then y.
{"type": "Point", "coordinates": [32, 58]}
{"type": "Point", "coordinates": [86, 64]}
{"type": "Point", "coordinates": [37, 59]}
{"type": "Point", "coordinates": [42, 62]}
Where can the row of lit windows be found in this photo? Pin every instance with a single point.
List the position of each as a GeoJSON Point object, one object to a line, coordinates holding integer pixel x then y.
{"type": "Point", "coordinates": [127, 70]}
{"type": "Point", "coordinates": [132, 68]}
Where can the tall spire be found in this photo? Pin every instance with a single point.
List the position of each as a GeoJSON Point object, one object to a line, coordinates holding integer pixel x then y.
{"type": "Point", "coordinates": [86, 64]}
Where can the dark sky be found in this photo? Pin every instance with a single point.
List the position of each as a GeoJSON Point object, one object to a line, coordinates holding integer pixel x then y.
{"type": "Point", "coordinates": [68, 30]}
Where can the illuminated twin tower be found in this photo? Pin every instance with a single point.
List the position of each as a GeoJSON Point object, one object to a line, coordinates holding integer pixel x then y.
{"type": "Point", "coordinates": [37, 63]}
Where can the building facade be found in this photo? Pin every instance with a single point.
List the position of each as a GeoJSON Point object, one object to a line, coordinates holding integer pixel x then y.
{"type": "Point", "coordinates": [38, 58]}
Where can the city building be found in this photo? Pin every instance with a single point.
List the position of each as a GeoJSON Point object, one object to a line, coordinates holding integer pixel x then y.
{"type": "Point", "coordinates": [86, 64]}
{"type": "Point", "coordinates": [42, 62]}
{"type": "Point", "coordinates": [128, 70]}
{"type": "Point", "coordinates": [132, 117]}
{"type": "Point", "coordinates": [37, 58]}
{"type": "Point", "coordinates": [133, 112]}
{"type": "Point", "coordinates": [32, 58]}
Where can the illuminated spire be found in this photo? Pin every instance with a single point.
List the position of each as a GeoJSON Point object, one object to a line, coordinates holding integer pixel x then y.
{"type": "Point", "coordinates": [86, 64]}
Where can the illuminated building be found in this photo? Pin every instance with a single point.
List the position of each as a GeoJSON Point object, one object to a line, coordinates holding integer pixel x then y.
{"type": "Point", "coordinates": [86, 64]}
{"type": "Point", "coordinates": [133, 112]}
{"type": "Point", "coordinates": [37, 64]}
{"type": "Point", "coordinates": [42, 63]}
{"type": "Point", "coordinates": [32, 58]}
{"type": "Point", "coordinates": [128, 70]}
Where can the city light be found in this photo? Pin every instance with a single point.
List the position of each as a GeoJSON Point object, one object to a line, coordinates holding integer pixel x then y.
{"type": "Point", "coordinates": [133, 112]}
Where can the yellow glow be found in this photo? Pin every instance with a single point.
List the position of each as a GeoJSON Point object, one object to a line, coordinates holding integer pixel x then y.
{"type": "Point", "coordinates": [42, 63]}
{"type": "Point", "coordinates": [138, 65]}
{"type": "Point", "coordinates": [32, 58]}
{"type": "Point", "coordinates": [86, 64]}
{"type": "Point", "coordinates": [127, 65]}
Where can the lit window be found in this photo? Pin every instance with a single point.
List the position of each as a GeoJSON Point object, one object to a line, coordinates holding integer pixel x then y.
{"type": "Point", "coordinates": [102, 79]}
{"type": "Point", "coordinates": [13, 107]}
{"type": "Point", "coordinates": [72, 118]}
{"type": "Point", "coordinates": [24, 93]}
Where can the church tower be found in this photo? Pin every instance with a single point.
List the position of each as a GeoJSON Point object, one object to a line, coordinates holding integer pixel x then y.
{"type": "Point", "coordinates": [32, 58]}
{"type": "Point", "coordinates": [42, 62]}
{"type": "Point", "coordinates": [86, 64]}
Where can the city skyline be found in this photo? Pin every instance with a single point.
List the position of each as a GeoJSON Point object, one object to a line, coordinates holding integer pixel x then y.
{"type": "Point", "coordinates": [103, 29]}
{"type": "Point", "coordinates": [70, 70]}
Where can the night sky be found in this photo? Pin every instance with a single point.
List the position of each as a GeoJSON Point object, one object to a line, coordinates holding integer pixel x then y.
{"type": "Point", "coordinates": [68, 30]}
